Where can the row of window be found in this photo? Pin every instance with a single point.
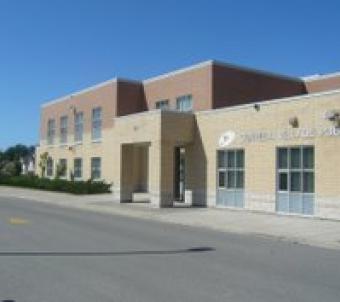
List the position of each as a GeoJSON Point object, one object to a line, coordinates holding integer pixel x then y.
{"type": "Point", "coordinates": [62, 168]}
{"type": "Point", "coordinates": [96, 131]}
{"type": "Point", "coordinates": [183, 103]}
{"type": "Point", "coordinates": [295, 169]}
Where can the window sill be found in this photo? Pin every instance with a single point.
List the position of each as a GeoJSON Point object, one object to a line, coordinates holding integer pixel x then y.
{"type": "Point", "coordinates": [96, 141]}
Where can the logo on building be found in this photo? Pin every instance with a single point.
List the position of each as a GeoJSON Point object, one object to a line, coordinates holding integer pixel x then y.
{"type": "Point", "coordinates": [226, 138]}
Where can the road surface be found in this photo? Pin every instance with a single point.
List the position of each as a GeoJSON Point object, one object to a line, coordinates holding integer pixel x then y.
{"type": "Point", "coordinates": [54, 254]}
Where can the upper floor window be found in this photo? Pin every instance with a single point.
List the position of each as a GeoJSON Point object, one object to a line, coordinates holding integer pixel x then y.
{"type": "Point", "coordinates": [97, 123]}
{"type": "Point", "coordinates": [63, 129]}
{"type": "Point", "coordinates": [162, 104]}
{"type": "Point", "coordinates": [95, 168]}
{"type": "Point", "coordinates": [50, 131]}
{"type": "Point", "coordinates": [184, 103]}
{"type": "Point", "coordinates": [78, 126]}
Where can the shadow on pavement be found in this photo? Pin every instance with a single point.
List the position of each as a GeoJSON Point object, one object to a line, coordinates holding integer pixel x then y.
{"type": "Point", "coordinates": [126, 253]}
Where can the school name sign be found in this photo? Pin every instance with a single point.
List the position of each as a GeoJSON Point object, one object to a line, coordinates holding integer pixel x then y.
{"type": "Point", "coordinates": [288, 134]}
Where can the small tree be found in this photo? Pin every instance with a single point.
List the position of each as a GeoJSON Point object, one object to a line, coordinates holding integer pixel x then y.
{"type": "Point", "coordinates": [43, 163]}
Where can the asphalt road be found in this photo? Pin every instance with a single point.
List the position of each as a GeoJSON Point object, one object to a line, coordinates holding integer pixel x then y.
{"type": "Point", "coordinates": [52, 254]}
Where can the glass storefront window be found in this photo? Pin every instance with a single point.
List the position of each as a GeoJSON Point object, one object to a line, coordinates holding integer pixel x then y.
{"type": "Point", "coordinates": [308, 158]}
{"type": "Point", "coordinates": [231, 169]}
{"type": "Point", "coordinates": [299, 175]}
{"type": "Point", "coordinates": [295, 158]}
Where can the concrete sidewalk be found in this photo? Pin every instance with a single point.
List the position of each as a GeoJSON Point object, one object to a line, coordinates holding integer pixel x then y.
{"type": "Point", "coordinates": [310, 231]}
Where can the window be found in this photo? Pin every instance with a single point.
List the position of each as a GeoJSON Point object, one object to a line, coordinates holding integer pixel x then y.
{"type": "Point", "coordinates": [296, 169]}
{"type": "Point", "coordinates": [184, 103]}
{"type": "Point", "coordinates": [163, 104]}
{"type": "Point", "coordinates": [95, 168]}
{"type": "Point", "coordinates": [231, 169]}
{"type": "Point", "coordinates": [49, 167]}
{"type": "Point", "coordinates": [97, 123]}
{"type": "Point", "coordinates": [78, 127]}
{"type": "Point", "coordinates": [63, 129]}
{"type": "Point", "coordinates": [62, 168]}
{"type": "Point", "coordinates": [78, 168]}
{"type": "Point", "coordinates": [50, 131]}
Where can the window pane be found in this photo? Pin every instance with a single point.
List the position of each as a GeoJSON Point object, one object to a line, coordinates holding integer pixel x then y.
{"type": "Point", "coordinates": [283, 158]}
{"type": "Point", "coordinates": [95, 168]}
{"type": "Point", "coordinates": [240, 159]}
{"type": "Point", "coordinates": [221, 179]}
{"type": "Point", "coordinates": [163, 104]}
{"type": "Point", "coordinates": [240, 179]}
{"type": "Point", "coordinates": [283, 182]}
{"type": "Point", "coordinates": [78, 131]}
{"type": "Point", "coordinates": [231, 182]}
{"type": "Point", "coordinates": [295, 158]}
{"type": "Point", "coordinates": [231, 159]}
{"type": "Point", "coordinates": [184, 103]}
{"type": "Point", "coordinates": [295, 182]}
{"type": "Point", "coordinates": [308, 157]}
{"type": "Point", "coordinates": [222, 163]}
{"type": "Point", "coordinates": [62, 167]}
{"type": "Point", "coordinates": [78, 168]}
{"type": "Point", "coordinates": [308, 182]}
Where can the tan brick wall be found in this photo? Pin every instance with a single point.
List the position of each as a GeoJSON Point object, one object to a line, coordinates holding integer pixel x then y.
{"type": "Point", "coordinates": [260, 157]}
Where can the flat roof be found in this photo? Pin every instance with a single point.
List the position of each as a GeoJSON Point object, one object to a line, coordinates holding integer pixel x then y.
{"type": "Point", "coordinates": [167, 75]}
{"type": "Point", "coordinates": [187, 69]}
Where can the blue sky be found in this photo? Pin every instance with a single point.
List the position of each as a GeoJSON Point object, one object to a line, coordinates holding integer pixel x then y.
{"type": "Point", "coordinates": [51, 48]}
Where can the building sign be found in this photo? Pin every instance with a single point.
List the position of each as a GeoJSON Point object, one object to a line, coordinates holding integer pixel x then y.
{"type": "Point", "coordinates": [272, 135]}
{"type": "Point", "coordinates": [226, 138]}
{"type": "Point", "coordinates": [288, 134]}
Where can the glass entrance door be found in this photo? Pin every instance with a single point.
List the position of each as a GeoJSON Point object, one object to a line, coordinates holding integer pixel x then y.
{"type": "Point", "coordinates": [230, 178]}
{"type": "Point", "coordinates": [295, 180]}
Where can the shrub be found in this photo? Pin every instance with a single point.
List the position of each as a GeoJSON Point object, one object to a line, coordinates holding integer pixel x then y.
{"type": "Point", "coordinates": [58, 185]}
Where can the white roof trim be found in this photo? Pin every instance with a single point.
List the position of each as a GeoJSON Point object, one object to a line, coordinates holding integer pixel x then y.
{"type": "Point", "coordinates": [213, 62]}
{"type": "Point", "coordinates": [258, 71]}
{"type": "Point", "coordinates": [316, 77]}
{"type": "Point", "coordinates": [269, 102]}
{"type": "Point", "coordinates": [94, 87]}
{"type": "Point", "coordinates": [178, 71]}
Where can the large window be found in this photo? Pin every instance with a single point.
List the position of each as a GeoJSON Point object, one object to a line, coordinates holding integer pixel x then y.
{"type": "Point", "coordinates": [184, 103]}
{"type": "Point", "coordinates": [62, 168]}
{"type": "Point", "coordinates": [63, 129]}
{"type": "Point", "coordinates": [78, 168]}
{"type": "Point", "coordinates": [49, 167]}
{"type": "Point", "coordinates": [78, 127]}
{"type": "Point", "coordinates": [231, 169]}
{"type": "Point", "coordinates": [50, 131]}
{"type": "Point", "coordinates": [230, 178]}
{"type": "Point", "coordinates": [162, 104]}
{"type": "Point", "coordinates": [97, 123]}
{"type": "Point", "coordinates": [296, 169]}
{"type": "Point", "coordinates": [95, 168]}
{"type": "Point", "coordinates": [295, 180]}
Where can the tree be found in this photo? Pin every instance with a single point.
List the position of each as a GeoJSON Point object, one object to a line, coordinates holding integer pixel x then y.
{"type": "Point", "coordinates": [43, 163]}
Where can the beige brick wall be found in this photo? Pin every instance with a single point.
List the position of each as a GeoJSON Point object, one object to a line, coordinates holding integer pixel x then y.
{"type": "Point", "coordinates": [260, 157]}
{"type": "Point", "coordinates": [199, 134]}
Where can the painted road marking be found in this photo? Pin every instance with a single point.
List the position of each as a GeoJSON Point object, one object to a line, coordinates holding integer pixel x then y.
{"type": "Point", "coordinates": [17, 221]}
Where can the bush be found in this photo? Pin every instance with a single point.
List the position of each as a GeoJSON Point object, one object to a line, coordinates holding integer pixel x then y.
{"type": "Point", "coordinates": [58, 185]}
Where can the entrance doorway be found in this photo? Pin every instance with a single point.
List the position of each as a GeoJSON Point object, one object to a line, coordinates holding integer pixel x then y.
{"type": "Point", "coordinates": [135, 172]}
{"type": "Point", "coordinates": [180, 172]}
